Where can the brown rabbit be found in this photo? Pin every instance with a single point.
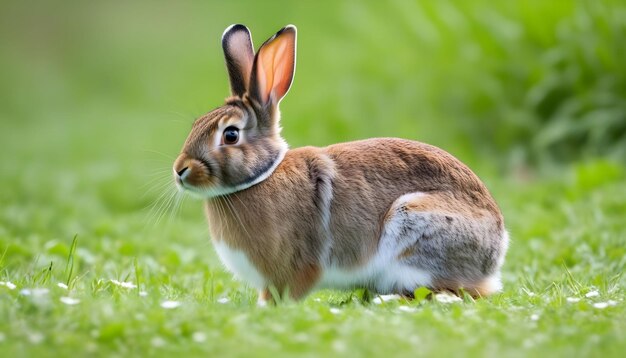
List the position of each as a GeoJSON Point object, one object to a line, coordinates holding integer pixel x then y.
{"type": "Point", "coordinates": [390, 215]}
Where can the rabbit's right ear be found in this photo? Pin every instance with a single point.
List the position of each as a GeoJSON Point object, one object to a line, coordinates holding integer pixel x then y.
{"type": "Point", "coordinates": [239, 54]}
{"type": "Point", "coordinates": [274, 67]}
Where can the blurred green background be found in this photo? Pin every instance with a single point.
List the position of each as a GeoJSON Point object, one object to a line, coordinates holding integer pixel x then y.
{"type": "Point", "coordinates": [97, 97]}
{"type": "Point", "coordinates": [506, 85]}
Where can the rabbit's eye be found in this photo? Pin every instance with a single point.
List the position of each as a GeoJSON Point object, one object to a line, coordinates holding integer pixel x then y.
{"type": "Point", "coordinates": [231, 135]}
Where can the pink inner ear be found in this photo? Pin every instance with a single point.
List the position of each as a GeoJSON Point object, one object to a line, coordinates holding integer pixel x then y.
{"type": "Point", "coordinates": [283, 71]}
{"type": "Point", "coordinates": [264, 77]}
{"type": "Point", "coordinates": [275, 65]}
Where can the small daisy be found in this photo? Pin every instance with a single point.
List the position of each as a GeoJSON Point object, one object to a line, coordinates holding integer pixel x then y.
{"type": "Point", "coordinates": [35, 337]}
{"type": "Point", "coordinates": [170, 304]}
{"type": "Point", "coordinates": [447, 298]}
{"type": "Point", "coordinates": [406, 309]}
{"type": "Point", "coordinates": [602, 305]}
{"type": "Point", "coordinates": [124, 284]}
{"type": "Point", "coordinates": [8, 284]}
{"type": "Point", "coordinates": [36, 292]}
{"type": "Point", "coordinates": [592, 294]}
{"type": "Point", "coordinates": [198, 337]}
{"type": "Point", "coordinates": [384, 298]}
{"type": "Point", "coordinates": [573, 299]}
{"type": "Point", "coordinates": [70, 301]}
{"type": "Point", "coordinates": [334, 310]}
{"type": "Point", "coordinates": [62, 285]}
{"type": "Point", "coordinates": [157, 342]}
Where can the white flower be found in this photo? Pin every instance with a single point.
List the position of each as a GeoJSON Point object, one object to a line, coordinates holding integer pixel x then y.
{"type": "Point", "coordinates": [124, 284]}
{"type": "Point", "coordinates": [62, 285]}
{"type": "Point", "coordinates": [384, 298]}
{"type": "Point", "coordinates": [223, 300]}
{"type": "Point", "coordinates": [143, 293]}
{"type": "Point", "coordinates": [447, 298]}
{"type": "Point", "coordinates": [198, 337]}
{"type": "Point", "coordinates": [406, 309]}
{"type": "Point", "coordinates": [157, 342]}
{"type": "Point", "coordinates": [602, 305]}
{"type": "Point", "coordinates": [170, 304]}
{"type": "Point", "coordinates": [36, 292]}
{"type": "Point", "coordinates": [339, 346]}
{"type": "Point", "coordinates": [334, 310]}
{"type": "Point", "coordinates": [70, 301]}
{"type": "Point", "coordinates": [35, 337]}
{"type": "Point", "coordinates": [592, 294]}
{"type": "Point", "coordinates": [8, 284]}
{"type": "Point", "coordinates": [572, 299]}
{"type": "Point", "coordinates": [534, 317]}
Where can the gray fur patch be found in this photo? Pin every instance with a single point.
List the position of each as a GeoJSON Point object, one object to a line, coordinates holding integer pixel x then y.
{"type": "Point", "coordinates": [452, 247]}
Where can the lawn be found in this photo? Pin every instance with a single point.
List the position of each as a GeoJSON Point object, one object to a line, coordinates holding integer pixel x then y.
{"type": "Point", "coordinates": [99, 255]}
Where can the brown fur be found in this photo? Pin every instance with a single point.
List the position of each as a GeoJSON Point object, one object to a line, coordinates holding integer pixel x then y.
{"type": "Point", "coordinates": [319, 206]}
{"type": "Point", "coordinates": [482, 239]}
{"type": "Point", "coordinates": [246, 220]}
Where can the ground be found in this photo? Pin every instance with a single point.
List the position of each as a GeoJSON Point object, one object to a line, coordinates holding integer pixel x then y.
{"type": "Point", "coordinates": [563, 289]}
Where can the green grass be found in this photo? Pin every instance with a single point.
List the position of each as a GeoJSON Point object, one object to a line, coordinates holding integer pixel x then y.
{"type": "Point", "coordinates": [96, 99]}
{"type": "Point", "coordinates": [567, 241]}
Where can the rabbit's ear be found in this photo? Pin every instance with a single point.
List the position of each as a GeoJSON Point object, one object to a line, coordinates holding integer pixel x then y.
{"type": "Point", "coordinates": [239, 54]}
{"type": "Point", "coordinates": [274, 67]}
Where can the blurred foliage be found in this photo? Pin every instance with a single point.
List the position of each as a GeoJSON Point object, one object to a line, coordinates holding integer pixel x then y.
{"type": "Point", "coordinates": [552, 75]}
{"type": "Point", "coordinates": [499, 84]}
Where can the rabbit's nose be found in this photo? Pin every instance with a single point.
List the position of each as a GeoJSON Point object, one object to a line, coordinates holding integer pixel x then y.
{"type": "Point", "coordinates": [183, 173]}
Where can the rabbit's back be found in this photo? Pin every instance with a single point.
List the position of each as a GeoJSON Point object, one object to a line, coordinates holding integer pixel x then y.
{"type": "Point", "coordinates": [337, 216]}
{"type": "Point", "coordinates": [371, 174]}
{"type": "Point", "coordinates": [405, 214]}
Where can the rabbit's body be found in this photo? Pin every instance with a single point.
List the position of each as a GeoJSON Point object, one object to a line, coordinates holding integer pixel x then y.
{"type": "Point", "coordinates": [387, 214]}
{"type": "Point", "coordinates": [431, 223]}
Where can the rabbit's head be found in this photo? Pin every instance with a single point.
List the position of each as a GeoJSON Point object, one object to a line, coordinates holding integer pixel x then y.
{"type": "Point", "coordinates": [238, 145]}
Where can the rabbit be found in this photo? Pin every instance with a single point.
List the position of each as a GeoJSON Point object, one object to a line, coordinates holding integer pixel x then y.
{"type": "Point", "coordinates": [386, 214]}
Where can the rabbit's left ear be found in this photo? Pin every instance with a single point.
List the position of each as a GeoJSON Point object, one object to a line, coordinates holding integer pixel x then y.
{"type": "Point", "coordinates": [274, 67]}
{"type": "Point", "coordinates": [239, 54]}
